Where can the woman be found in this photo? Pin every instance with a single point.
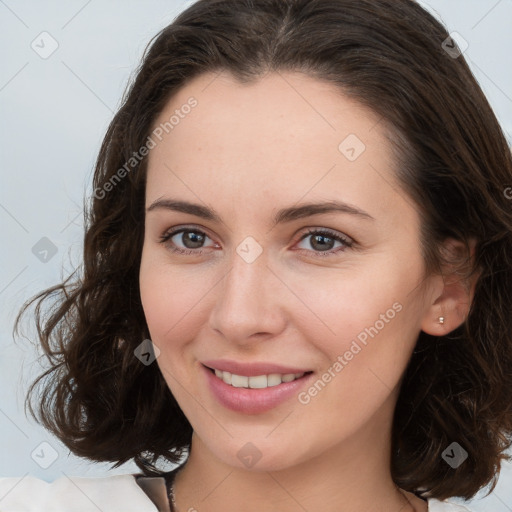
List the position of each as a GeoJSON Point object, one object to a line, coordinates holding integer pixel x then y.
{"type": "Point", "coordinates": [297, 271]}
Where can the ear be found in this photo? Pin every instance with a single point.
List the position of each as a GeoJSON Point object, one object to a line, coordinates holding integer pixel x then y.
{"type": "Point", "coordinates": [454, 289]}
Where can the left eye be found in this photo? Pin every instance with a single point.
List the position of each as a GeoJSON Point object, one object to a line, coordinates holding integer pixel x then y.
{"type": "Point", "coordinates": [318, 240]}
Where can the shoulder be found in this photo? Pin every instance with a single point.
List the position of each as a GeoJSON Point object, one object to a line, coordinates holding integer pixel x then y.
{"type": "Point", "coordinates": [74, 494]}
{"type": "Point", "coordinates": [446, 506]}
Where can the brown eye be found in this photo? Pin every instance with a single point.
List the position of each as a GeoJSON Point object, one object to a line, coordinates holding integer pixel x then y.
{"type": "Point", "coordinates": [322, 242]}
{"type": "Point", "coordinates": [191, 239]}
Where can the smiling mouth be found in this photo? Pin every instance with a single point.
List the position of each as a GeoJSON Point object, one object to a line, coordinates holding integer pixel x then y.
{"type": "Point", "coordinates": [258, 381]}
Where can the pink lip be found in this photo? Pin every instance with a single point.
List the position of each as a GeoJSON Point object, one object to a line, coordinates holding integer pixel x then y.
{"type": "Point", "coordinates": [253, 401]}
{"type": "Point", "coordinates": [251, 369]}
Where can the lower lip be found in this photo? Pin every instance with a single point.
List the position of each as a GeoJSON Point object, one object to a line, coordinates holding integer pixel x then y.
{"type": "Point", "coordinates": [253, 401]}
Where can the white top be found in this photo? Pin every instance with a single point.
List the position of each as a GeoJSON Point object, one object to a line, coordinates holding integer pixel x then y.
{"type": "Point", "coordinates": [118, 493]}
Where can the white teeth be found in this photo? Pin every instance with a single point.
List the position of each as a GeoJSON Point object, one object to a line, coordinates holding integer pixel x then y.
{"type": "Point", "coordinates": [274, 379]}
{"type": "Point", "coordinates": [256, 382]}
{"type": "Point", "coordinates": [239, 381]}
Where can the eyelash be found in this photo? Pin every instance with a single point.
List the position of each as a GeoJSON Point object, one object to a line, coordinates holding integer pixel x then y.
{"type": "Point", "coordinates": [347, 242]}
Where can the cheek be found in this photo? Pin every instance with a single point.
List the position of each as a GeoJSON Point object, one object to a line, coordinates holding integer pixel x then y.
{"type": "Point", "coordinates": [174, 301]}
{"type": "Point", "coordinates": [158, 302]}
{"type": "Point", "coordinates": [353, 301]}
{"type": "Point", "coordinates": [370, 317]}
{"type": "Point", "coordinates": [172, 310]}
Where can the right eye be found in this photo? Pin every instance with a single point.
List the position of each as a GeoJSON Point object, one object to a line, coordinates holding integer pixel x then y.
{"type": "Point", "coordinates": [191, 238]}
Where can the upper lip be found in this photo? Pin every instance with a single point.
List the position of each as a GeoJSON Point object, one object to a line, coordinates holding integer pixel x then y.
{"type": "Point", "coordinates": [251, 369]}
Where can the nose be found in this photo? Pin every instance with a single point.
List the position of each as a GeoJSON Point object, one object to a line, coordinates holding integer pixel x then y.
{"type": "Point", "coordinates": [248, 302]}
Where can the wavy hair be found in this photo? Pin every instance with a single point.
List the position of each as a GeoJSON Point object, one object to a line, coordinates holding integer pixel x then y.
{"type": "Point", "coordinates": [454, 163]}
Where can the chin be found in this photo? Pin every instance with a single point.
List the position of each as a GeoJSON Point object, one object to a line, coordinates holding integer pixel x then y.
{"type": "Point", "coordinates": [259, 456]}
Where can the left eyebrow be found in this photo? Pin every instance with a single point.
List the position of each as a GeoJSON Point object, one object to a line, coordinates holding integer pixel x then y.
{"type": "Point", "coordinates": [305, 210]}
{"type": "Point", "coordinates": [284, 215]}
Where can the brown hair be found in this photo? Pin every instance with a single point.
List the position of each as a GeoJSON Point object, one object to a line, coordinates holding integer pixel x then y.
{"type": "Point", "coordinates": [454, 163]}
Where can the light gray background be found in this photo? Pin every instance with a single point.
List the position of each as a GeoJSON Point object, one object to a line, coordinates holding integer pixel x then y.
{"type": "Point", "coordinates": [54, 113]}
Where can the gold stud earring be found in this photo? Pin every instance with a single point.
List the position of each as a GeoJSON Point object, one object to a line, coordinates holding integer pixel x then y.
{"type": "Point", "coordinates": [441, 320]}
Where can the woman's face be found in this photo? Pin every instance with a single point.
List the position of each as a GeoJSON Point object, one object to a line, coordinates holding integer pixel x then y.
{"type": "Point", "coordinates": [340, 293]}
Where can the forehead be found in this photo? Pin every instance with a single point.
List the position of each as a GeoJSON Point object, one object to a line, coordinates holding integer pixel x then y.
{"type": "Point", "coordinates": [280, 138]}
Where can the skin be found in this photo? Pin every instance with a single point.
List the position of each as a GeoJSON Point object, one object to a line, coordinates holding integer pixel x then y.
{"type": "Point", "coordinates": [247, 151]}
